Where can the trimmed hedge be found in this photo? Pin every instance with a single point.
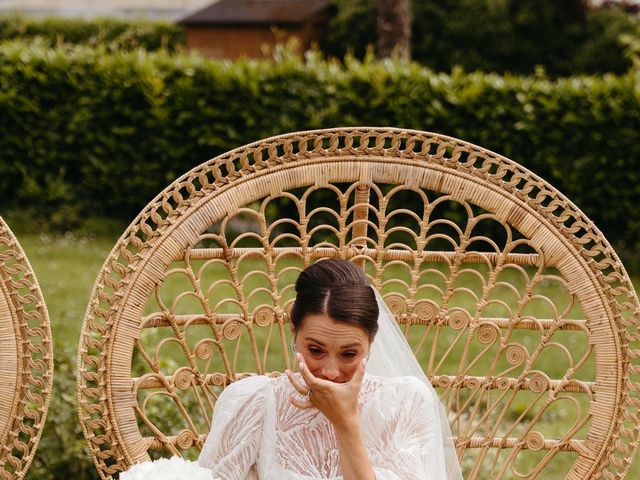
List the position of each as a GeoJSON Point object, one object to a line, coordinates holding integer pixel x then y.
{"type": "Point", "coordinates": [89, 133]}
{"type": "Point", "coordinates": [114, 33]}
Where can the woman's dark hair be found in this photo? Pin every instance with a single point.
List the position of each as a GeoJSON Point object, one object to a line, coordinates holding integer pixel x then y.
{"type": "Point", "coordinates": [338, 289]}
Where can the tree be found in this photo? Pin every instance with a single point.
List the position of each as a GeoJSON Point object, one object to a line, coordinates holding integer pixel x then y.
{"type": "Point", "coordinates": [565, 36]}
{"type": "Point", "coordinates": [394, 28]}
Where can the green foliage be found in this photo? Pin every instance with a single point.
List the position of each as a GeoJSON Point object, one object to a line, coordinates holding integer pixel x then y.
{"type": "Point", "coordinates": [62, 452]}
{"type": "Point", "coordinates": [566, 37]}
{"type": "Point", "coordinates": [88, 133]}
{"type": "Point", "coordinates": [66, 267]}
{"type": "Point", "coordinates": [113, 33]}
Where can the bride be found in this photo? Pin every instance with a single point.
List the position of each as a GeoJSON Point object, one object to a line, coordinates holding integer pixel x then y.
{"type": "Point", "coordinates": [357, 409]}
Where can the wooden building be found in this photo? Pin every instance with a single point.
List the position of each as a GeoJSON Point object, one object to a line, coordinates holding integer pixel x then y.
{"type": "Point", "coordinates": [251, 28]}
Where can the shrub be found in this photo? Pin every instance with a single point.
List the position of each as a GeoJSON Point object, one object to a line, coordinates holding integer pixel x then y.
{"type": "Point", "coordinates": [90, 133]}
{"type": "Point", "coordinates": [114, 33]}
{"type": "Point", "coordinates": [496, 35]}
{"type": "Point", "coordinates": [62, 451]}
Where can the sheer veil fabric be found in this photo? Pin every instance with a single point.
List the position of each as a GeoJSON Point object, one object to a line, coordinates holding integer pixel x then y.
{"type": "Point", "coordinates": [391, 356]}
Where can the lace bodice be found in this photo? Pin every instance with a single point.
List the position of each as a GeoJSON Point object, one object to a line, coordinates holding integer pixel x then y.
{"type": "Point", "coordinates": [258, 434]}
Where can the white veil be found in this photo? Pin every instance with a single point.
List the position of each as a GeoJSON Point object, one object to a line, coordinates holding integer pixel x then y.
{"type": "Point", "coordinates": [391, 356]}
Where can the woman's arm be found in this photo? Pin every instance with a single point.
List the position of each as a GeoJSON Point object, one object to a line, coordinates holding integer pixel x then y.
{"type": "Point", "coordinates": [339, 403]}
{"type": "Point", "coordinates": [232, 445]}
{"type": "Point", "coordinates": [354, 458]}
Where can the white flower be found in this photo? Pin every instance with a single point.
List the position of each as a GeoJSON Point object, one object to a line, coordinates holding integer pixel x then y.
{"type": "Point", "coordinates": [175, 468]}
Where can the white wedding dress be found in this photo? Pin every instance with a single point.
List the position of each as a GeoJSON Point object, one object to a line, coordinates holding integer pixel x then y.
{"type": "Point", "coordinates": [257, 434]}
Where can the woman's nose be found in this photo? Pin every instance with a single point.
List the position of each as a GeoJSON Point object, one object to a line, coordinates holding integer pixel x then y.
{"type": "Point", "coordinates": [330, 370]}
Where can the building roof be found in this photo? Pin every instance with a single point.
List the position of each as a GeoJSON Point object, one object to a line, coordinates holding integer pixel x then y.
{"type": "Point", "coordinates": [167, 9]}
{"type": "Point", "coordinates": [256, 12]}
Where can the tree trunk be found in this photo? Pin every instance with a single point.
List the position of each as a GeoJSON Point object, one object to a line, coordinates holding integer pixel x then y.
{"type": "Point", "coordinates": [394, 28]}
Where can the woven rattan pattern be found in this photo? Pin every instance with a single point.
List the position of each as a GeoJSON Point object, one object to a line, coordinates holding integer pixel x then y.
{"type": "Point", "coordinates": [462, 243]}
{"type": "Point", "coordinates": [26, 359]}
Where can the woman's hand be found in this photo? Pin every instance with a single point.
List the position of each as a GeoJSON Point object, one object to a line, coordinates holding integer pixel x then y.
{"type": "Point", "coordinates": [337, 401]}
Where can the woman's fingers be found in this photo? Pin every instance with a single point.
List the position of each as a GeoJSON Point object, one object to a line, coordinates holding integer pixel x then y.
{"type": "Point", "coordinates": [305, 372]}
{"type": "Point", "coordinates": [304, 404]}
{"type": "Point", "coordinates": [301, 389]}
{"type": "Point", "coordinates": [336, 401]}
{"type": "Point", "coordinates": [358, 375]}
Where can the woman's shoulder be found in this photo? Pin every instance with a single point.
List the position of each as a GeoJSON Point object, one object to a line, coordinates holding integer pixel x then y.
{"type": "Point", "coordinates": [251, 381]}
{"type": "Point", "coordinates": [389, 399]}
{"type": "Point", "coordinates": [404, 382]}
{"type": "Point", "coordinates": [245, 389]}
{"type": "Point", "coordinates": [404, 387]}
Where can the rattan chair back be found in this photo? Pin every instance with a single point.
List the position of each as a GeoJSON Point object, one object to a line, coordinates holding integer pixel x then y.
{"type": "Point", "coordinates": [514, 302]}
{"type": "Point", "coordinates": [26, 359]}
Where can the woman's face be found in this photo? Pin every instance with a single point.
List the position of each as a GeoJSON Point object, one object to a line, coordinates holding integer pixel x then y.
{"type": "Point", "coordinates": [332, 350]}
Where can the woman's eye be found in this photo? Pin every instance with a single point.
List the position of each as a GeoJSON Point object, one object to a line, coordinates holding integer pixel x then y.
{"type": "Point", "coordinates": [314, 351]}
{"type": "Point", "coordinates": [349, 354]}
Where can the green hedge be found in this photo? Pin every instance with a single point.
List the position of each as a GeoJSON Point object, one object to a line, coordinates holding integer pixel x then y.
{"type": "Point", "coordinates": [113, 33]}
{"type": "Point", "coordinates": [90, 133]}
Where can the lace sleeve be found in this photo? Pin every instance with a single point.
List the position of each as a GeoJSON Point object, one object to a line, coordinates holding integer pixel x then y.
{"type": "Point", "coordinates": [231, 449]}
{"type": "Point", "coordinates": [406, 434]}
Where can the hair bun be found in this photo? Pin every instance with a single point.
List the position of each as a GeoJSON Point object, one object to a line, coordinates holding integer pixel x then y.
{"type": "Point", "coordinates": [339, 289]}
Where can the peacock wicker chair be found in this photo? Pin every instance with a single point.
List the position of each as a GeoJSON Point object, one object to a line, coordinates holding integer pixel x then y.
{"type": "Point", "coordinates": [26, 359]}
{"type": "Point", "coordinates": [521, 313]}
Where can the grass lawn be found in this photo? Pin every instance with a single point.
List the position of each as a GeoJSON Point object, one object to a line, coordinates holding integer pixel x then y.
{"type": "Point", "coordinates": [66, 268]}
